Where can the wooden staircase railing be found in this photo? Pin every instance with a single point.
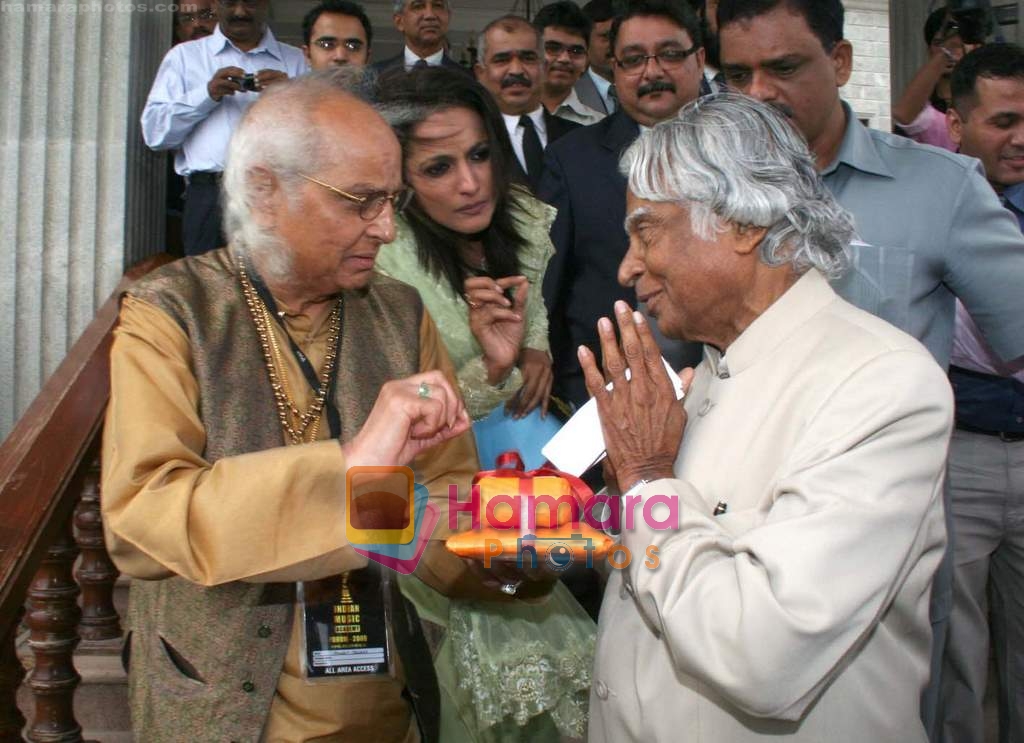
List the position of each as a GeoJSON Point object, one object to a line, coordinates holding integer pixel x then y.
{"type": "Point", "coordinates": [49, 515]}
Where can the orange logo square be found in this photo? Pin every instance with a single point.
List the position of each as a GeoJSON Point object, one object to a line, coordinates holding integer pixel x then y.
{"type": "Point", "coordinates": [379, 505]}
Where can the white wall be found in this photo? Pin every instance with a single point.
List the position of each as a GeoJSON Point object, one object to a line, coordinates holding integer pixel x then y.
{"type": "Point", "coordinates": [868, 92]}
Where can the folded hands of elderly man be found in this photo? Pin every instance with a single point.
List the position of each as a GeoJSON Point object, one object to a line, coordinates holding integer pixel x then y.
{"type": "Point", "coordinates": [642, 420]}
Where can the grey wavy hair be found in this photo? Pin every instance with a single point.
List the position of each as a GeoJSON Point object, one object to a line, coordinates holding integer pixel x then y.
{"type": "Point", "coordinates": [277, 133]}
{"type": "Point", "coordinates": [732, 160]}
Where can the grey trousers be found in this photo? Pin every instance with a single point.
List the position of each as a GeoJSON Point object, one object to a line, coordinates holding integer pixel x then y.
{"type": "Point", "coordinates": [986, 478]}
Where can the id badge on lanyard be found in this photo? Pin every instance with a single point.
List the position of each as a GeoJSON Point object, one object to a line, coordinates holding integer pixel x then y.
{"type": "Point", "coordinates": [345, 626]}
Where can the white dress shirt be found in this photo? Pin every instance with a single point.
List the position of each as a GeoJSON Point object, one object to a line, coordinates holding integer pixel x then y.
{"type": "Point", "coordinates": [515, 132]}
{"type": "Point", "coordinates": [573, 109]}
{"type": "Point", "coordinates": [179, 112]}
{"type": "Point", "coordinates": [602, 86]}
{"type": "Point", "coordinates": [411, 58]}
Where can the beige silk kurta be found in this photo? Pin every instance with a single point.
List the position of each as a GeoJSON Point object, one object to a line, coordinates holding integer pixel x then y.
{"type": "Point", "coordinates": [168, 511]}
{"type": "Point", "coordinates": [801, 613]}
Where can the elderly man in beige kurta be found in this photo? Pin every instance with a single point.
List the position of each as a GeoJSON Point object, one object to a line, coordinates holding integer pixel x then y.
{"type": "Point", "coordinates": [790, 597]}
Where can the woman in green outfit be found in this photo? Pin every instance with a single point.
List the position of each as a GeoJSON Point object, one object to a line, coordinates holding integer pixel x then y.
{"type": "Point", "coordinates": [476, 248]}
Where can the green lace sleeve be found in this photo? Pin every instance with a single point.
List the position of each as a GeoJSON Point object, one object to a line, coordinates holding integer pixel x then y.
{"type": "Point", "coordinates": [534, 219]}
{"type": "Point", "coordinates": [451, 315]}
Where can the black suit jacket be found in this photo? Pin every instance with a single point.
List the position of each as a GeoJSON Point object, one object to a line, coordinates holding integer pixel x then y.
{"type": "Point", "coordinates": [582, 180]}
{"type": "Point", "coordinates": [399, 61]}
{"type": "Point", "coordinates": [556, 127]}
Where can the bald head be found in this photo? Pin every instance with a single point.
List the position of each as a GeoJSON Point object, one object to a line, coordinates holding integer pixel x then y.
{"type": "Point", "coordinates": [294, 126]}
{"type": "Point", "coordinates": [302, 165]}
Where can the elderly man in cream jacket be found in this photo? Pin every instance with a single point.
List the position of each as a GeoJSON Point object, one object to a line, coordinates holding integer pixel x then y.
{"type": "Point", "coordinates": [794, 501]}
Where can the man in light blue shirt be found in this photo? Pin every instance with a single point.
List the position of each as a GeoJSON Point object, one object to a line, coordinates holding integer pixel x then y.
{"type": "Point", "coordinates": [929, 227]}
{"type": "Point", "coordinates": [198, 97]}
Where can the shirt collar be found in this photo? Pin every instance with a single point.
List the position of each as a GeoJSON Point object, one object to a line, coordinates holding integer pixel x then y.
{"type": "Point", "coordinates": [269, 44]}
{"type": "Point", "coordinates": [537, 115]}
{"type": "Point", "coordinates": [1014, 195]}
{"type": "Point", "coordinates": [574, 104]}
{"type": "Point", "coordinates": [808, 296]}
{"type": "Point", "coordinates": [600, 83]}
{"type": "Point", "coordinates": [411, 58]}
{"type": "Point", "coordinates": [858, 149]}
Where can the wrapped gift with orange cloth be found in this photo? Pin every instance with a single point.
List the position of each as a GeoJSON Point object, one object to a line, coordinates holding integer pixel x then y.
{"type": "Point", "coordinates": [539, 511]}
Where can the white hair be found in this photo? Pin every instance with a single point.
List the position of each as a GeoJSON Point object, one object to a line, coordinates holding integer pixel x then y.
{"type": "Point", "coordinates": [732, 160]}
{"type": "Point", "coordinates": [278, 134]}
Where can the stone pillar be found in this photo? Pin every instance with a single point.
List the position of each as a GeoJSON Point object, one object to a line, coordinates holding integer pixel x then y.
{"type": "Point", "coordinates": [867, 28]}
{"type": "Point", "coordinates": [906, 24]}
{"type": "Point", "coordinates": [82, 195]}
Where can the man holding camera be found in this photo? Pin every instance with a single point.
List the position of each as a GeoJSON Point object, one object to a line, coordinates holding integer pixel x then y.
{"type": "Point", "coordinates": [920, 113]}
{"type": "Point", "coordinates": [198, 97]}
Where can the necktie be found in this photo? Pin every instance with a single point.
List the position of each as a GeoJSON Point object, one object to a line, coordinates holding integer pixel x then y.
{"type": "Point", "coordinates": [613, 99]}
{"type": "Point", "coordinates": [533, 153]}
{"type": "Point", "coordinates": [420, 64]}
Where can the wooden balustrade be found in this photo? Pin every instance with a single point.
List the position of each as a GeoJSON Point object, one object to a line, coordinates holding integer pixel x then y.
{"type": "Point", "coordinates": [96, 574]}
{"type": "Point", "coordinates": [52, 617]}
{"type": "Point", "coordinates": [49, 513]}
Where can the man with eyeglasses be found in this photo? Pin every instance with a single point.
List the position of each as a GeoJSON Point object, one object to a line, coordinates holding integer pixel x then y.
{"type": "Point", "coordinates": [198, 96]}
{"type": "Point", "coordinates": [194, 20]}
{"type": "Point", "coordinates": [658, 65]}
{"type": "Point", "coordinates": [564, 31]}
{"type": "Point", "coordinates": [336, 32]}
{"type": "Point", "coordinates": [510, 66]}
{"type": "Point", "coordinates": [245, 385]}
{"type": "Point", "coordinates": [424, 26]}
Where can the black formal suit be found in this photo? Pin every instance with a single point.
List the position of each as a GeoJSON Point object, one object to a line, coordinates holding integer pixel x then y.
{"type": "Point", "coordinates": [556, 127]}
{"type": "Point", "coordinates": [399, 61]}
{"type": "Point", "coordinates": [582, 180]}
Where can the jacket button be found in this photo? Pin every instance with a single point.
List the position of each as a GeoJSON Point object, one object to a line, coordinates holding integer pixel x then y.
{"type": "Point", "coordinates": [248, 687]}
{"type": "Point", "coordinates": [601, 689]}
{"type": "Point", "coordinates": [264, 631]}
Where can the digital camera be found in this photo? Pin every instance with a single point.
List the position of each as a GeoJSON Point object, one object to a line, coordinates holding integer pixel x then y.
{"type": "Point", "coordinates": [971, 20]}
{"type": "Point", "coordinates": [247, 82]}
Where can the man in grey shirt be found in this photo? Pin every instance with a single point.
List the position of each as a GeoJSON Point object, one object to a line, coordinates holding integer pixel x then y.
{"type": "Point", "coordinates": [929, 227]}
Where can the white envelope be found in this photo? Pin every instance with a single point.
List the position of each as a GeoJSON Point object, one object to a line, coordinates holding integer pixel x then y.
{"type": "Point", "coordinates": [579, 445]}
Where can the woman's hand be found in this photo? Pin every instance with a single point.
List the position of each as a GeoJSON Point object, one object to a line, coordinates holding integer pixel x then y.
{"type": "Point", "coordinates": [508, 580]}
{"type": "Point", "coordinates": [497, 323]}
{"type": "Point", "coordinates": [641, 419]}
{"type": "Point", "coordinates": [536, 389]}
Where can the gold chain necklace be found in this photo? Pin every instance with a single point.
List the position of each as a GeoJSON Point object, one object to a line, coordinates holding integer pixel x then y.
{"type": "Point", "coordinates": [300, 426]}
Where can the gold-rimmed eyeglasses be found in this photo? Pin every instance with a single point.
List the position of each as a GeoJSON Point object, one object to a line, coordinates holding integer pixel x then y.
{"type": "Point", "coordinates": [372, 204]}
{"type": "Point", "coordinates": [669, 59]}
